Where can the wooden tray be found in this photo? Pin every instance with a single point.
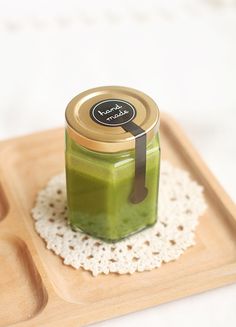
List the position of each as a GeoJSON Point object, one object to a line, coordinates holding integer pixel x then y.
{"type": "Point", "coordinates": [36, 289]}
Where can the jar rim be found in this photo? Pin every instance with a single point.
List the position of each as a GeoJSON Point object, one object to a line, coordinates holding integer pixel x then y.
{"type": "Point", "coordinates": [100, 136]}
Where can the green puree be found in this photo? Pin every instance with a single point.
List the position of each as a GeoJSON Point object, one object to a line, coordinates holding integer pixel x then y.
{"type": "Point", "coordinates": [98, 189]}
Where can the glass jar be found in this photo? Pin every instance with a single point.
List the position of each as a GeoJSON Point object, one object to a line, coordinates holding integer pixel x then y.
{"type": "Point", "coordinates": [112, 162]}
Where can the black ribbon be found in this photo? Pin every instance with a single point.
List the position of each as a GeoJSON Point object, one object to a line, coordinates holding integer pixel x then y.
{"type": "Point", "coordinates": [139, 191]}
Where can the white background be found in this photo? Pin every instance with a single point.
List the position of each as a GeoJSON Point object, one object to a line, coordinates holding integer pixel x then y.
{"type": "Point", "coordinates": [182, 53]}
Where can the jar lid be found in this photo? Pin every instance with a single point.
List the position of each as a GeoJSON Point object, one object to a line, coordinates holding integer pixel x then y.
{"type": "Point", "coordinates": [101, 118]}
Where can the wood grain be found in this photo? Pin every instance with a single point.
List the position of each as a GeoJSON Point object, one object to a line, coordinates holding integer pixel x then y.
{"type": "Point", "coordinates": [38, 290]}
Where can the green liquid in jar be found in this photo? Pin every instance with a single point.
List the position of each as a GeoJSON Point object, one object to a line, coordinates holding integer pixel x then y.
{"type": "Point", "coordinates": [99, 187]}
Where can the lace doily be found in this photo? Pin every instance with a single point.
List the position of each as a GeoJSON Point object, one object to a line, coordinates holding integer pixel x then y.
{"type": "Point", "coordinates": [181, 203]}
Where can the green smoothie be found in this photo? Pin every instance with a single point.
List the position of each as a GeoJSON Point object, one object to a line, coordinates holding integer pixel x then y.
{"type": "Point", "coordinates": [99, 185]}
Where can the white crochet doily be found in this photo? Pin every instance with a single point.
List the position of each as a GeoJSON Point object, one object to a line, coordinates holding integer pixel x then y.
{"type": "Point", "coordinates": [181, 203]}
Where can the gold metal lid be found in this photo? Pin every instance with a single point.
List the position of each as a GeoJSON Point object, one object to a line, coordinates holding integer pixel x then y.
{"type": "Point", "coordinates": [96, 118]}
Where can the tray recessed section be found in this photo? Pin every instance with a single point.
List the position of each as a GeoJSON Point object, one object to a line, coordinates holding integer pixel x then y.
{"type": "Point", "coordinates": [3, 204]}
{"type": "Point", "coordinates": [22, 294]}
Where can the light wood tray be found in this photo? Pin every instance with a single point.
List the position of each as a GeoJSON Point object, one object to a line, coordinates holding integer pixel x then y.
{"type": "Point", "coordinates": [36, 289]}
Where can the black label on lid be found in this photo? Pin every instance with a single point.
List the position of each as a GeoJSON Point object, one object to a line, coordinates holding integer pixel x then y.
{"type": "Point", "coordinates": [113, 112]}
